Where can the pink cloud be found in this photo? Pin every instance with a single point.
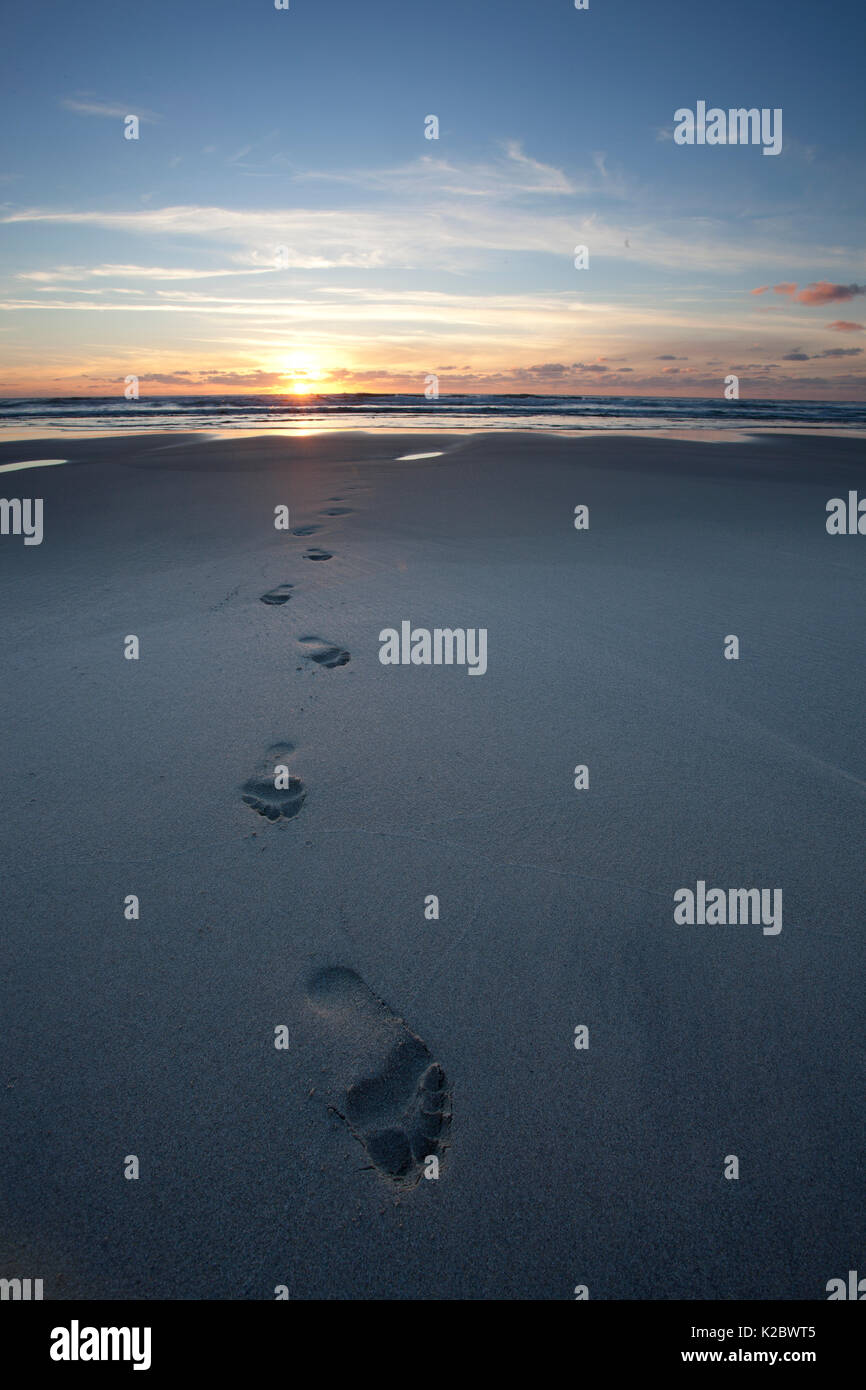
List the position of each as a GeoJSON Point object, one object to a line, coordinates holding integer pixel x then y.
{"type": "Point", "coordinates": [844, 326]}
{"type": "Point", "coordinates": [762, 289]}
{"type": "Point", "coordinates": [825, 292]}
{"type": "Point", "coordinates": [785, 288]}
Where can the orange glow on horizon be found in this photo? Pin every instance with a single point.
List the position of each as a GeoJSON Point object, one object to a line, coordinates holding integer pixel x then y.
{"type": "Point", "coordinates": [302, 372]}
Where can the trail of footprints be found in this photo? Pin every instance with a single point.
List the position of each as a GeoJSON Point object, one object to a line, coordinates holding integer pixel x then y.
{"type": "Point", "coordinates": [317, 649]}
{"type": "Point", "coordinates": [387, 1089]}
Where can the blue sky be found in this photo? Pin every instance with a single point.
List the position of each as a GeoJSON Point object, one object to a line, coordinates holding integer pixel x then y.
{"type": "Point", "coordinates": [304, 130]}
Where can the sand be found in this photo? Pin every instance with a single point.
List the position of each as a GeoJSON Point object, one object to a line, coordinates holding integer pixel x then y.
{"type": "Point", "coordinates": [410, 1038]}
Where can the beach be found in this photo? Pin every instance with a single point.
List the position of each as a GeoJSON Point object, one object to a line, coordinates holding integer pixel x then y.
{"type": "Point", "coordinates": [298, 1159]}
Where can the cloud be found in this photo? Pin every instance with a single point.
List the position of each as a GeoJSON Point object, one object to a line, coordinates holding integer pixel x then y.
{"type": "Point", "coordinates": [554, 375]}
{"type": "Point", "coordinates": [252, 378]}
{"type": "Point", "coordinates": [845, 326]}
{"type": "Point", "coordinates": [550, 317]}
{"type": "Point", "coordinates": [825, 292]}
{"type": "Point", "coordinates": [818, 292]}
{"type": "Point", "coordinates": [516, 174]}
{"type": "Point", "coordinates": [433, 213]}
{"type": "Point", "coordinates": [546, 179]}
{"type": "Point", "coordinates": [800, 356]}
{"type": "Point", "coordinates": [111, 110]}
{"type": "Point", "coordinates": [167, 378]}
{"type": "Point", "coordinates": [433, 231]}
{"type": "Point", "coordinates": [132, 272]}
{"type": "Point", "coordinates": [556, 378]}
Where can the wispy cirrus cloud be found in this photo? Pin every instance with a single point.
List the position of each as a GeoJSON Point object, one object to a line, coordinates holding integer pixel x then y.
{"type": "Point", "coordinates": [442, 214]}
{"type": "Point", "coordinates": [87, 106]}
{"type": "Point", "coordinates": [131, 272]}
{"type": "Point", "coordinates": [515, 174]}
{"type": "Point", "coordinates": [465, 314]}
{"type": "Point", "coordinates": [541, 178]}
{"type": "Point", "coordinates": [453, 235]}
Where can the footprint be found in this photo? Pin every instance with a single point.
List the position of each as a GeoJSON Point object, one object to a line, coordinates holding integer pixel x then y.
{"type": "Point", "coordinates": [306, 530]}
{"type": "Point", "coordinates": [281, 594]}
{"type": "Point", "coordinates": [393, 1096]}
{"type": "Point", "coordinates": [315, 554]}
{"type": "Point", "coordinates": [273, 792]}
{"type": "Point", "coordinates": [337, 511]}
{"type": "Point", "coordinates": [324, 653]}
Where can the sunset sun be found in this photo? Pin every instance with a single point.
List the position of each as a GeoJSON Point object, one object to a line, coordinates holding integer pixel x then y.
{"type": "Point", "coordinates": [301, 373]}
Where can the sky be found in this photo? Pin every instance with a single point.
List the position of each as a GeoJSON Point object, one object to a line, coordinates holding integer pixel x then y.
{"type": "Point", "coordinates": [282, 223]}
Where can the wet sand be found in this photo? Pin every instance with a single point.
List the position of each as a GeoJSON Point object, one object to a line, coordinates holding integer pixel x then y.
{"type": "Point", "coordinates": [305, 907]}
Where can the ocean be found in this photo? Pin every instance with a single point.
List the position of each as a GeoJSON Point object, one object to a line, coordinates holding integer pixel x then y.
{"type": "Point", "coordinates": [293, 414]}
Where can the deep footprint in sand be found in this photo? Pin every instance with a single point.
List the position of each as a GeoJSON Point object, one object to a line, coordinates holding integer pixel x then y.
{"type": "Point", "coordinates": [281, 594]}
{"type": "Point", "coordinates": [273, 792]}
{"type": "Point", "coordinates": [324, 653]}
{"type": "Point", "coordinates": [306, 530]}
{"type": "Point", "coordinates": [392, 1095]}
{"type": "Point", "coordinates": [314, 553]}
